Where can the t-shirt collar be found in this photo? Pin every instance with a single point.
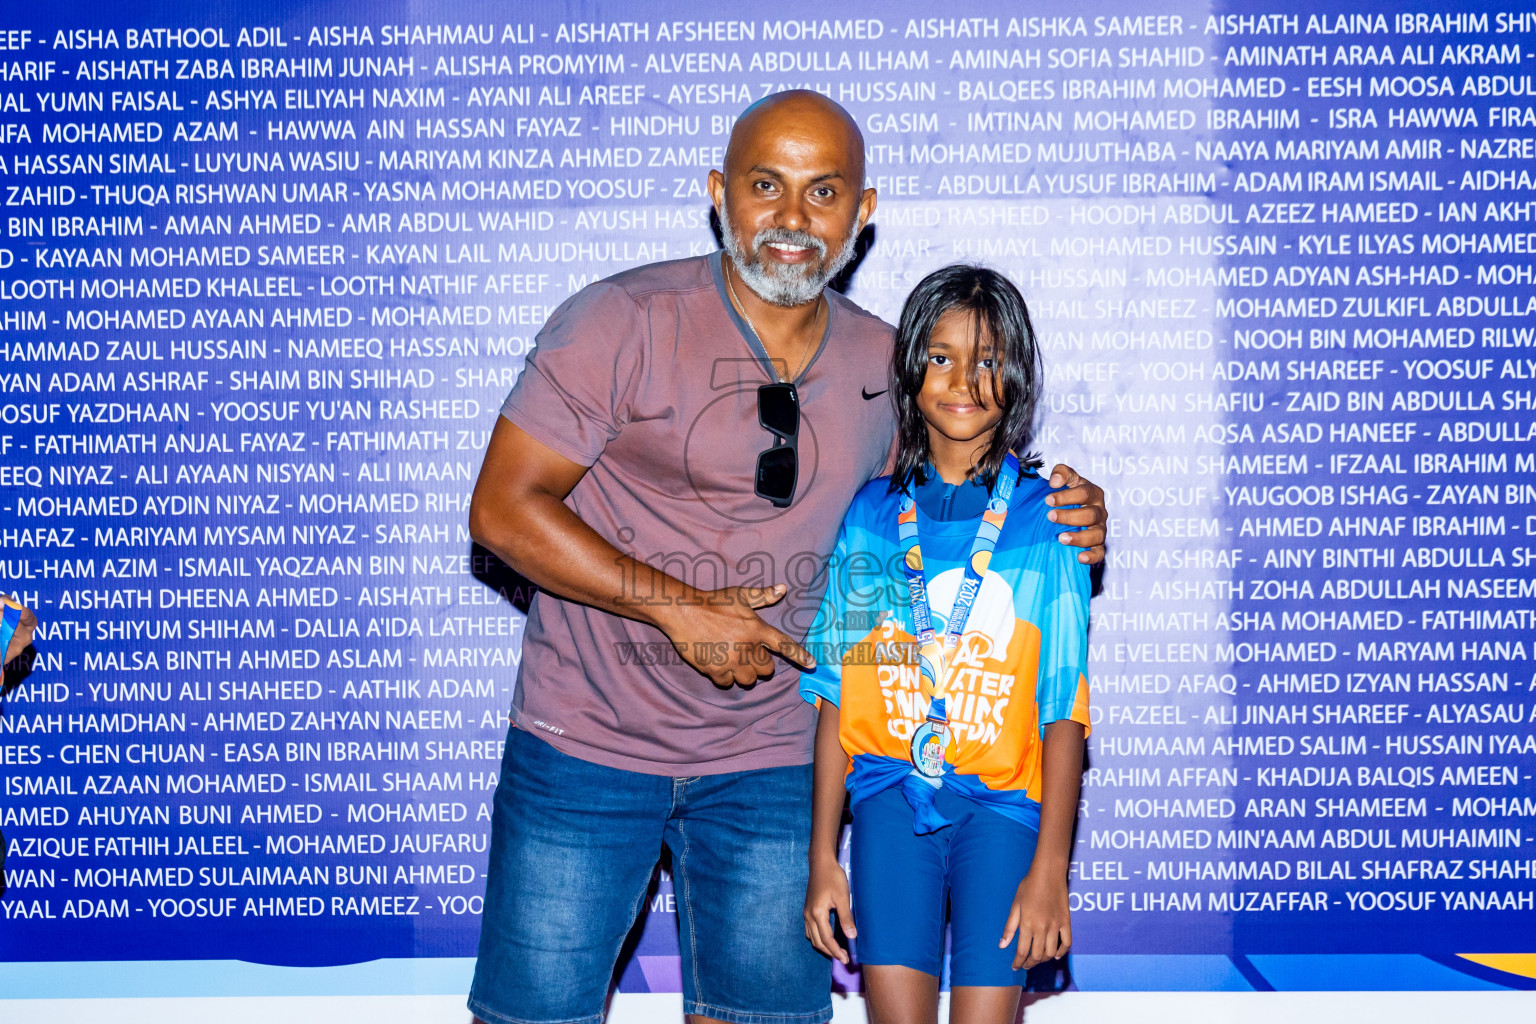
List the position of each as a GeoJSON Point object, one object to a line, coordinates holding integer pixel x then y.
{"type": "Point", "coordinates": [717, 270]}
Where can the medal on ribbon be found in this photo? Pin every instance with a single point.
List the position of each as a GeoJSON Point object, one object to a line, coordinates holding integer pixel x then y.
{"type": "Point", "coordinates": [928, 744]}
{"type": "Point", "coordinates": [936, 656]}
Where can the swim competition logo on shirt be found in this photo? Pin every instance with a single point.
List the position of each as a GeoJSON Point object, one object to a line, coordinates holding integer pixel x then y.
{"type": "Point", "coordinates": [977, 704]}
{"type": "Point", "coordinates": [989, 630]}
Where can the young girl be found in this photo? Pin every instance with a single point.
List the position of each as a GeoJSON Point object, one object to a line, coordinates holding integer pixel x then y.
{"type": "Point", "coordinates": [955, 707]}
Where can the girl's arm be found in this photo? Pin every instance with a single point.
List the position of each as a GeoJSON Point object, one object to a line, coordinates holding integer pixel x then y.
{"type": "Point", "coordinates": [828, 888]}
{"type": "Point", "coordinates": [1039, 913]}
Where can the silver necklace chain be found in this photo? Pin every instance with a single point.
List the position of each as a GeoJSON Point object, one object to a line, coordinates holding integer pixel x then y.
{"type": "Point", "coordinates": [753, 327]}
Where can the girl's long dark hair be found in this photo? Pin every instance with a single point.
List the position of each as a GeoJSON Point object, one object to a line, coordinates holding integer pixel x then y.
{"type": "Point", "coordinates": [999, 314]}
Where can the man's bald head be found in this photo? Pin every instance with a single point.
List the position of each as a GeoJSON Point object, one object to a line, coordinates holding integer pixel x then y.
{"type": "Point", "coordinates": [798, 112]}
{"type": "Point", "coordinates": [792, 198]}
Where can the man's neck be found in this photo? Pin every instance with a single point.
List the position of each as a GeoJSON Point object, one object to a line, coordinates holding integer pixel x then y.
{"type": "Point", "coordinates": [785, 331]}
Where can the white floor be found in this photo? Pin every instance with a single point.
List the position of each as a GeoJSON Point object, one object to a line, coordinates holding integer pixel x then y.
{"type": "Point", "coordinates": [1069, 1008]}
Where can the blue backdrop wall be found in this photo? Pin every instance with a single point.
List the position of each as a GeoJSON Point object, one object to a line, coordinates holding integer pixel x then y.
{"type": "Point", "coordinates": [269, 269]}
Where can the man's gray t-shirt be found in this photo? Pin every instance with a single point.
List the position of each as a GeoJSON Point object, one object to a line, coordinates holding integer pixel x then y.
{"type": "Point", "coordinates": [650, 379]}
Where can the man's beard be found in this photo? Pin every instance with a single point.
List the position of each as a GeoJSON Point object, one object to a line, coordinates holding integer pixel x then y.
{"type": "Point", "coordinates": [783, 284]}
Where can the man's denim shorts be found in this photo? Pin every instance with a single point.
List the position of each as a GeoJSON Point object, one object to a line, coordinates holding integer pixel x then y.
{"type": "Point", "coordinates": [573, 846]}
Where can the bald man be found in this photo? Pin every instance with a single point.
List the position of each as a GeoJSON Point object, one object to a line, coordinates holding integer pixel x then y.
{"type": "Point", "coordinates": [671, 469]}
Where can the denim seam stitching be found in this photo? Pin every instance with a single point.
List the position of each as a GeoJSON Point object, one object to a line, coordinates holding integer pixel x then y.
{"type": "Point", "coordinates": [634, 912]}
{"type": "Point", "coordinates": [484, 1013]}
{"type": "Point", "coordinates": [693, 932]}
{"type": "Point", "coordinates": [738, 1017]}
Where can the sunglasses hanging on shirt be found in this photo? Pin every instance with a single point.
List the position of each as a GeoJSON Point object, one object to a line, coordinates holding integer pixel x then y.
{"type": "Point", "coordinates": [778, 411]}
{"type": "Point", "coordinates": [778, 466]}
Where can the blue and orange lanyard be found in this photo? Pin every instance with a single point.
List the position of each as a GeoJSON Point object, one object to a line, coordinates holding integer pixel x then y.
{"type": "Point", "coordinates": [936, 657]}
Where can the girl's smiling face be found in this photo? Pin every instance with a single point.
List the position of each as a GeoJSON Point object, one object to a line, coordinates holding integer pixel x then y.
{"type": "Point", "coordinates": [959, 400]}
{"type": "Point", "coordinates": [965, 377]}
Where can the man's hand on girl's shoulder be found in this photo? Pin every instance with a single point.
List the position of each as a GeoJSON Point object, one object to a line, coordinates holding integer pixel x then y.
{"type": "Point", "coordinates": [25, 626]}
{"type": "Point", "coordinates": [1089, 517]}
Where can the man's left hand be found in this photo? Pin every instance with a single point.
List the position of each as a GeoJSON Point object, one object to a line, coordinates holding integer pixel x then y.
{"type": "Point", "coordinates": [1090, 517]}
{"type": "Point", "coordinates": [24, 629]}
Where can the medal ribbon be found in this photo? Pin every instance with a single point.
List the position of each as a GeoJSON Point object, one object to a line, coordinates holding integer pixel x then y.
{"type": "Point", "coordinates": [936, 656]}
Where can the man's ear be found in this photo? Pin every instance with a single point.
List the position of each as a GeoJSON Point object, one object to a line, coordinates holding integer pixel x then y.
{"type": "Point", "coordinates": [715, 183]}
{"type": "Point", "coordinates": [867, 203]}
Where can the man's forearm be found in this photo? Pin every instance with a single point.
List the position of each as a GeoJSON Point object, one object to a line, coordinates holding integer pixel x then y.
{"type": "Point", "coordinates": [518, 511]}
{"type": "Point", "coordinates": [1062, 767]}
{"type": "Point", "coordinates": [549, 544]}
